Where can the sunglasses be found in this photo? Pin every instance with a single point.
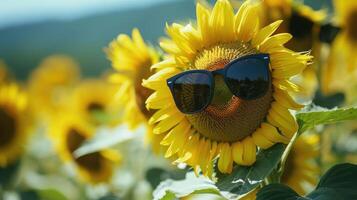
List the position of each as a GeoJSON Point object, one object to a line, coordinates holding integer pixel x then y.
{"type": "Point", "coordinates": [246, 77]}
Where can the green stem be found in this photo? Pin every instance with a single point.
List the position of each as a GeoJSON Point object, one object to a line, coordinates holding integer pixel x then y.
{"type": "Point", "coordinates": [275, 175]}
{"type": "Point", "coordinates": [285, 155]}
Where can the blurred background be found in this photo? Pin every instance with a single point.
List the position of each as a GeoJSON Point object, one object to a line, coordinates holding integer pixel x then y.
{"type": "Point", "coordinates": [31, 30]}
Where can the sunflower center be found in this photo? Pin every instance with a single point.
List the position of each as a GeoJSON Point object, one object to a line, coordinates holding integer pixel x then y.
{"type": "Point", "coordinates": [95, 107]}
{"type": "Point", "coordinates": [301, 28]}
{"type": "Point", "coordinates": [351, 25]}
{"type": "Point", "coordinates": [141, 92]}
{"type": "Point", "coordinates": [7, 127]}
{"type": "Point", "coordinates": [228, 118]}
{"type": "Point", "coordinates": [92, 161]}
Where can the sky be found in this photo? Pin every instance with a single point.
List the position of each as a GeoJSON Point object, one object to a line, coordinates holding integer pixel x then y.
{"type": "Point", "coordinates": [15, 12]}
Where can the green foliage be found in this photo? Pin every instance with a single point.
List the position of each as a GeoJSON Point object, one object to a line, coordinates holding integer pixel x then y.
{"type": "Point", "coordinates": [244, 179]}
{"type": "Point", "coordinates": [339, 183]}
{"type": "Point", "coordinates": [314, 116]}
{"type": "Point", "coordinates": [29, 195]}
{"type": "Point", "coordinates": [172, 189]}
{"type": "Point", "coordinates": [155, 175]}
{"type": "Point", "coordinates": [7, 174]}
{"type": "Point", "coordinates": [104, 139]}
{"type": "Point", "coordinates": [51, 194]}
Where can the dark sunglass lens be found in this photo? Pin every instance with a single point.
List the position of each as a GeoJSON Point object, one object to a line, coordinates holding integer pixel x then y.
{"type": "Point", "coordinates": [248, 79]}
{"type": "Point", "coordinates": [192, 92]}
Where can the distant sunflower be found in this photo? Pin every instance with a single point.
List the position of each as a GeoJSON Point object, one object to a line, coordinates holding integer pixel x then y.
{"type": "Point", "coordinates": [68, 134]}
{"type": "Point", "coordinates": [342, 61]}
{"type": "Point", "coordinates": [13, 123]}
{"type": "Point", "coordinates": [303, 23]}
{"type": "Point", "coordinates": [50, 84]}
{"type": "Point", "coordinates": [132, 59]}
{"type": "Point", "coordinates": [299, 19]}
{"type": "Point", "coordinates": [231, 129]}
{"type": "Point", "coordinates": [301, 168]}
{"type": "Point", "coordinates": [93, 99]}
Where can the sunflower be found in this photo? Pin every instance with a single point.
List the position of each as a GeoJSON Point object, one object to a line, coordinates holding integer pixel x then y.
{"type": "Point", "coordinates": [132, 59]}
{"type": "Point", "coordinates": [50, 83]}
{"type": "Point", "coordinates": [299, 19]}
{"type": "Point", "coordinates": [68, 134]}
{"type": "Point", "coordinates": [342, 61]}
{"type": "Point", "coordinates": [14, 125]}
{"type": "Point", "coordinates": [93, 99]}
{"type": "Point", "coordinates": [301, 170]}
{"type": "Point", "coordinates": [235, 128]}
{"type": "Point", "coordinates": [304, 24]}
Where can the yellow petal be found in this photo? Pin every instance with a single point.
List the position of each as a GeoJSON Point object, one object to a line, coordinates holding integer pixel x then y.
{"type": "Point", "coordinates": [191, 148]}
{"type": "Point", "coordinates": [272, 134]}
{"type": "Point", "coordinates": [281, 118]}
{"type": "Point", "coordinates": [249, 151]}
{"type": "Point", "coordinates": [156, 99]}
{"type": "Point", "coordinates": [169, 46]}
{"type": "Point", "coordinates": [286, 85]}
{"type": "Point", "coordinates": [265, 32]}
{"type": "Point", "coordinates": [138, 40]}
{"type": "Point", "coordinates": [204, 151]}
{"type": "Point", "coordinates": [169, 62]}
{"type": "Point", "coordinates": [240, 15]}
{"type": "Point", "coordinates": [237, 152]}
{"type": "Point", "coordinates": [274, 41]}
{"type": "Point", "coordinates": [176, 138]}
{"type": "Point", "coordinates": [168, 123]}
{"type": "Point", "coordinates": [225, 161]}
{"type": "Point", "coordinates": [202, 22]}
{"type": "Point", "coordinates": [249, 24]}
{"type": "Point", "coordinates": [221, 22]}
{"type": "Point", "coordinates": [261, 141]}
{"type": "Point", "coordinates": [162, 114]}
{"type": "Point", "coordinates": [286, 100]}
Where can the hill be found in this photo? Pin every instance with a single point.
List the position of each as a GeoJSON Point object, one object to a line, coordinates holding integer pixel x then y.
{"type": "Point", "coordinates": [23, 47]}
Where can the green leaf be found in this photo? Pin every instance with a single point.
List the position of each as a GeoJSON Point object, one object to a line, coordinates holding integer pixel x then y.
{"type": "Point", "coordinates": [340, 180]}
{"type": "Point", "coordinates": [105, 138]}
{"type": "Point", "coordinates": [244, 179]}
{"type": "Point", "coordinates": [51, 194]}
{"type": "Point", "coordinates": [8, 173]}
{"type": "Point", "coordinates": [155, 175]}
{"type": "Point", "coordinates": [339, 183]}
{"type": "Point", "coordinates": [109, 197]}
{"type": "Point", "coordinates": [172, 189]}
{"type": "Point", "coordinates": [277, 191]}
{"type": "Point", "coordinates": [29, 195]}
{"type": "Point", "coordinates": [314, 116]}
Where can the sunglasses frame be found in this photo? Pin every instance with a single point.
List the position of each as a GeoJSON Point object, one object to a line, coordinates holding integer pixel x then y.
{"type": "Point", "coordinates": [223, 72]}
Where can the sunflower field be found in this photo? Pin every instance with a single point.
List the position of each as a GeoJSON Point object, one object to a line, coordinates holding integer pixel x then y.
{"type": "Point", "coordinates": [224, 99]}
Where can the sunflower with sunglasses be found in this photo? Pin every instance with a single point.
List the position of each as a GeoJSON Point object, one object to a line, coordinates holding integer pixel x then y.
{"type": "Point", "coordinates": [224, 88]}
